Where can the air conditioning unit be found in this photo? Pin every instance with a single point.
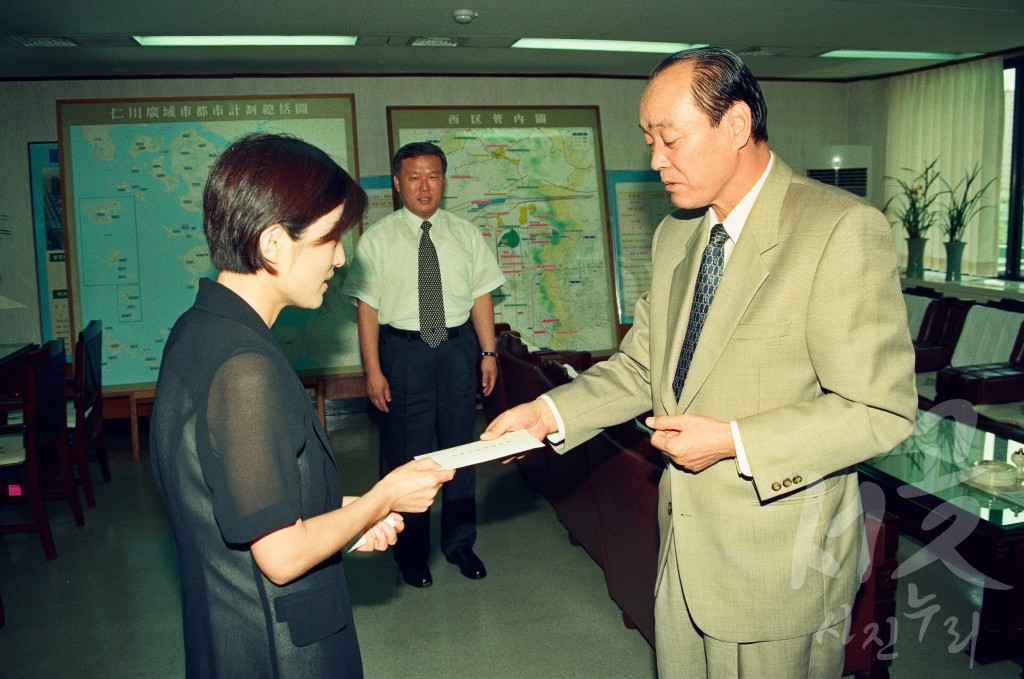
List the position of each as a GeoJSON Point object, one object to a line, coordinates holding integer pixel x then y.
{"type": "Point", "coordinates": [848, 167]}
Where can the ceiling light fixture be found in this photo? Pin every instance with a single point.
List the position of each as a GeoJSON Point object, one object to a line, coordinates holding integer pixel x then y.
{"type": "Point", "coordinates": [602, 45]}
{"type": "Point", "coordinates": [883, 54]}
{"type": "Point", "coordinates": [242, 40]}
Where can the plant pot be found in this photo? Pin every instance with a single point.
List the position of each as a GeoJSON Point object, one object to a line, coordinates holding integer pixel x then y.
{"type": "Point", "coordinates": [954, 257]}
{"type": "Point", "coordinates": [915, 257]}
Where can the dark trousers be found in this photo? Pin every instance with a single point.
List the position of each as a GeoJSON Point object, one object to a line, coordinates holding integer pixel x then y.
{"type": "Point", "coordinates": [433, 394]}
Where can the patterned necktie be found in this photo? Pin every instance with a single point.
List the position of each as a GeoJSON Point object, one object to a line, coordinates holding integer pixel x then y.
{"type": "Point", "coordinates": [712, 264]}
{"type": "Point", "coordinates": [432, 327]}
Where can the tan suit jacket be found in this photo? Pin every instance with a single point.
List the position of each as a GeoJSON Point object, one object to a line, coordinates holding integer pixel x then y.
{"type": "Point", "coordinates": [806, 347]}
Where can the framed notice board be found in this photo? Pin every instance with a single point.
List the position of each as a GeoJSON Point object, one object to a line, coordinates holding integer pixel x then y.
{"type": "Point", "coordinates": [638, 203]}
{"type": "Point", "coordinates": [51, 273]}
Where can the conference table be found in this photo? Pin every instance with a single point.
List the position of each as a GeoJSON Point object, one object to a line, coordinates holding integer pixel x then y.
{"type": "Point", "coordinates": [957, 489]}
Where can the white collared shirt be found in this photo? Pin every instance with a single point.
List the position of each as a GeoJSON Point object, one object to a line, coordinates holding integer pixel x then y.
{"type": "Point", "coordinates": [385, 268]}
{"type": "Point", "coordinates": [737, 219]}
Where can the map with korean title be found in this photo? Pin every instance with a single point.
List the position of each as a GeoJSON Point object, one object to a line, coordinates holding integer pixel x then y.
{"type": "Point", "coordinates": [134, 173]}
{"type": "Point", "coordinates": [532, 180]}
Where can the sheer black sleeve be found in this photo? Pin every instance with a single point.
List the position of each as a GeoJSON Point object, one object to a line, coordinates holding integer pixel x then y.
{"type": "Point", "coordinates": [255, 439]}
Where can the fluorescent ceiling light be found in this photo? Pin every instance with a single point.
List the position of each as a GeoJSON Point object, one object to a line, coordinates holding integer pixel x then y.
{"type": "Point", "coordinates": [881, 54]}
{"type": "Point", "coordinates": [242, 40]}
{"type": "Point", "coordinates": [602, 45]}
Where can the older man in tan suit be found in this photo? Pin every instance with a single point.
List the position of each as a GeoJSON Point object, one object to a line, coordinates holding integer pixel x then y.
{"type": "Point", "coordinates": [768, 381]}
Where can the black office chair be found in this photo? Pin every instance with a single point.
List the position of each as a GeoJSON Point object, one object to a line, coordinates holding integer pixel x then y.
{"type": "Point", "coordinates": [34, 461]}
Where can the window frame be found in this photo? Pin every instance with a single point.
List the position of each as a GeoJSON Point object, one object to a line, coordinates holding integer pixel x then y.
{"type": "Point", "coordinates": [1015, 211]}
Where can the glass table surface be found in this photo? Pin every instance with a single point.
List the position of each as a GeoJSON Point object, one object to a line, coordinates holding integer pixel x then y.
{"type": "Point", "coordinates": [948, 458]}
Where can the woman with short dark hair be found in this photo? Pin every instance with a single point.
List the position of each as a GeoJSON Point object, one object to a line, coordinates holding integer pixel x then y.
{"type": "Point", "coordinates": [243, 465]}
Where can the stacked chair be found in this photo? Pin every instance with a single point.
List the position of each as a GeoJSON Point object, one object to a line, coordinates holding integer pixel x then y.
{"type": "Point", "coordinates": [34, 460]}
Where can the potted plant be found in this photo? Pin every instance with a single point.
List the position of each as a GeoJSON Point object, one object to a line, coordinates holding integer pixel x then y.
{"type": "Point", "coordinates": [912, 206]}
{"type": "Point", "coordinates": [962, 206]}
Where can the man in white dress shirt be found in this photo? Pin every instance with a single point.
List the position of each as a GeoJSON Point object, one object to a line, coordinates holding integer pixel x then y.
{"type": "Point", "coordinates": [423, 278]}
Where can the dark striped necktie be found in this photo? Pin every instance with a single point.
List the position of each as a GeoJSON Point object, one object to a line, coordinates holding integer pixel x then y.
{"type": "Point", "coordinates": [712, 264]}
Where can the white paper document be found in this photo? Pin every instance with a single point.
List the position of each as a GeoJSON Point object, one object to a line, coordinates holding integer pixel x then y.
{"type": "Point", "coordinates": [483, 451]}
{"type": "Point", "coordinates": [390, 520]}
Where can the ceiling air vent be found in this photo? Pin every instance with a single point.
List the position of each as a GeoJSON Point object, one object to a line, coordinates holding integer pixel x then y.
{"type": "Point", "coordinates": [434, 42]}
{"type": "Point", "coordinates": [43, 41]}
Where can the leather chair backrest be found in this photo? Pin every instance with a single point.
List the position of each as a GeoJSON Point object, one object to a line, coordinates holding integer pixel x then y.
{"type": "Point", "coordinates": [988, 335]}
{"type": "Point", "coordinates": [45, 411]}
{"type": "Point", "coordinates": [952, 322]}
{"type": "Point", "coordinates": [518, 370]}
{"type": "Point", "coordinates": [551, 373]}
{"type": "Point", "coordinates": [89, 364]}
{"type": "Point", "coordinates": [1017, 355]}
{"type": "Point", "coordinates": [579, 360]}
{"type": "Point", "coordinates": [917, 309]}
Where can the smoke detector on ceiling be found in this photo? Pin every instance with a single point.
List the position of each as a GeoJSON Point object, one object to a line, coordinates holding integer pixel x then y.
{"type": "Point", "coordinates": [464, 16]}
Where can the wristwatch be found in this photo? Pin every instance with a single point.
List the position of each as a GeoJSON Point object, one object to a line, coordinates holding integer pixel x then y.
{"type": "Point", "coordinates": [488, 353]}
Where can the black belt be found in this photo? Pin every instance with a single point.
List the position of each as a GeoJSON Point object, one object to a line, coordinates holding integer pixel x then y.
{"type": "Point", "coordinates": [415, 334]}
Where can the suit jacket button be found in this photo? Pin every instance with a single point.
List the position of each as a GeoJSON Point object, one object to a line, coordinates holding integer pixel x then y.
{"type": "Point", "coordinates": [798, 479]}
{"type": "Point", "coordinates": [670, 509]}
{"type": "Point", "coordinates": [787, 483]}
{"type": "Point", "coordinates": [776, 486]}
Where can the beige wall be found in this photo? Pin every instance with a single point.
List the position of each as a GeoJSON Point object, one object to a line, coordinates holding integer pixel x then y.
{"type": "Point", "coordinates": [866, 106]}
{"type": "Point", "coordinates": [805, 115]}
{"type": "Point", "coordinates": [801, 115]}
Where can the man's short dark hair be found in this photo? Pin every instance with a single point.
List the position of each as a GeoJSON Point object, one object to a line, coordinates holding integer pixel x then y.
{"type": "Point", "coordinates": [415, 150]}
{"type": "Point", "coordinates": [720, 79]}
{"type": "Point", "coordinates": [265, 179]}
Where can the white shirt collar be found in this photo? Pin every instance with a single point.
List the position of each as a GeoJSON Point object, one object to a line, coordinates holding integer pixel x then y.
{"type": "Point", "coordinates": [738, 217]}
{"type": "Point", "coordinates": [415, 222]}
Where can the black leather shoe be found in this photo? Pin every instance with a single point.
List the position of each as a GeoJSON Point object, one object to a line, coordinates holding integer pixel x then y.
{"type": "Point", "coordinates": [416, 575]}
{"type": "Point", "coordinates": [469, 564]}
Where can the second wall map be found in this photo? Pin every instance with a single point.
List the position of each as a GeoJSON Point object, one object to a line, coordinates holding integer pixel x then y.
{"type": "Point", "coordinates": [532, 180]}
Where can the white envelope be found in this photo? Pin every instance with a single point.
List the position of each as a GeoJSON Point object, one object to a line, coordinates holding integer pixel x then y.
{"type": "Point", "coordinates": [484, 451]}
